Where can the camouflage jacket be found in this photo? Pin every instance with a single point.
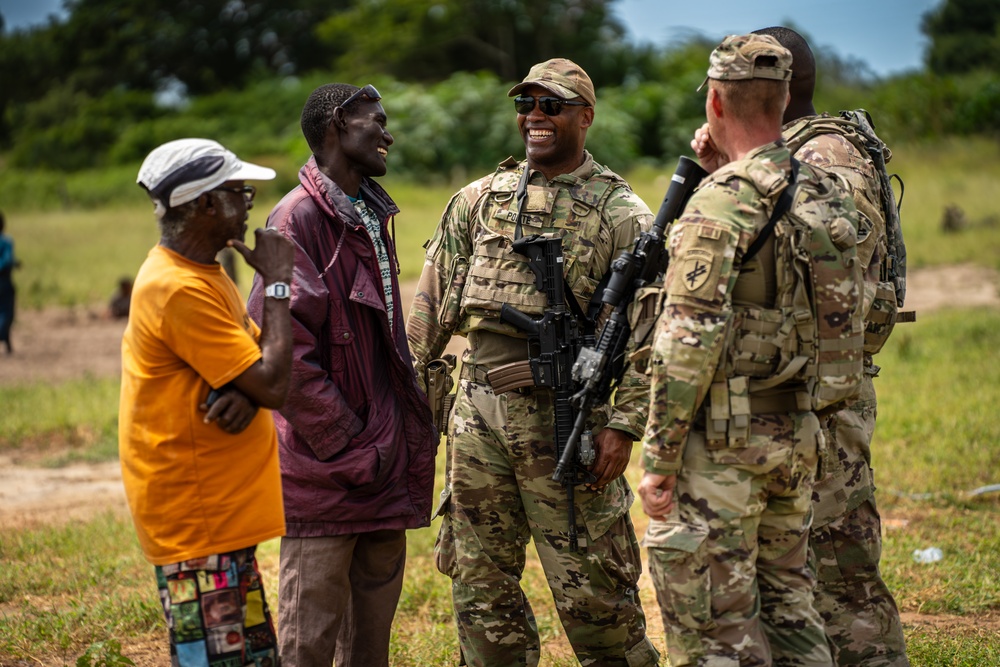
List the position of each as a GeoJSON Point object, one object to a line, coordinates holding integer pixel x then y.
{"type": "Point", "coordinates": [470, 270]}
{"type": "Point", "coordinates": [706, 245]}
{"type": "Point", "coordinates": [832, 152]}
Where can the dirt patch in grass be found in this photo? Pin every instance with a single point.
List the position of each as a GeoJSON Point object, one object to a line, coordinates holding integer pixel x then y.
{"type": "Point", "coordinates": [965, 626]}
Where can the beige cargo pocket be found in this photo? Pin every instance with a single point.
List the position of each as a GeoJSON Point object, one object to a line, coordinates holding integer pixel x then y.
{"type": "Point", "coordinates": [643, 654]}
{"type": "Point", "coordinates": [881, 318]}
{"type": "Point", "coordinates": [642, 316]}
{"type": "Point", "coordinates": [600, 511]}
{"type": "Point", "coordinates": [682, 577]}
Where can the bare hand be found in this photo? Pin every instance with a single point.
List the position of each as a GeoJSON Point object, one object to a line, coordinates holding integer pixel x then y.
{"type": "Point", "coordinates": [232, 411]}
{"type": "Point", "coordinates": [657, 494]}
{"type": "Point", "coordinates": [273, 255]}
{"type": "Point", "coordinates": [614, 449]}
{"type": "Point", "coordinates": [709, 155]}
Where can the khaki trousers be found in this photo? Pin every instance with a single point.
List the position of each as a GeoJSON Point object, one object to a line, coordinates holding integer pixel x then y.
{"type": "Point", "coordinates": [337, 597]}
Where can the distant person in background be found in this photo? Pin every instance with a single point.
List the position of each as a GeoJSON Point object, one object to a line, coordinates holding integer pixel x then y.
{"type": "Point", "coordinates": [200, 468]}
{"type": "Point", "coordinates": [7, 265]}
{"type": "Point", "coordinates": [122, 298]}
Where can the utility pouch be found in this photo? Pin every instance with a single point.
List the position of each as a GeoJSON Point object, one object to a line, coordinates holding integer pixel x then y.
{"type": "Point", "coordinates": [642, 318]}
{"type": "Point", "coordinates": [881, 318]}
{"type": "Point", "coordinates": [510, 377]}
{"type": "Point", "coordinates": [451, 305]}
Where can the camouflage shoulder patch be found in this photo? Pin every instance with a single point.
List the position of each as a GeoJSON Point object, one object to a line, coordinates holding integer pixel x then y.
{"type": "Point", "coordinates": [701, 253]}
{"type": "Point", "coordinates": [696, 268]}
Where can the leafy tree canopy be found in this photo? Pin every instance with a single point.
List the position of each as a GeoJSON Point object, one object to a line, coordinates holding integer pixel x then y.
{"type": "Point", "coordinates": [965, 36]}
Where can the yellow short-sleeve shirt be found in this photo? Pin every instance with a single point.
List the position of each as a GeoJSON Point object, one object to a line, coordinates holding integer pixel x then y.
{"type": "Point", "coordinates": [193, 489]}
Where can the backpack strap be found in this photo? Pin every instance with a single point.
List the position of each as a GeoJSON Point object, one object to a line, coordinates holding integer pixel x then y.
{"type": "Point", "coordinates": [784, 203]}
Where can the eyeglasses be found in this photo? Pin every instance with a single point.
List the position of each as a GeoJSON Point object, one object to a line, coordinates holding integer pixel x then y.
{"type": "Point", "coordinates": [368, 91]}
{"type": "Point", "coordinates": [248, 191]}
{"type": "Point", "coordinates": [550, 106]}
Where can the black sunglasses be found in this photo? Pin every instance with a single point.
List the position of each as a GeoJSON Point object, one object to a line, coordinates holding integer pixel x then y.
{"type": "Point", "coordinates": [368, 91]}
{"type": "Point", "coordinates": [550, 106]}
{"type": "Point", "coordinates": [248, 191]}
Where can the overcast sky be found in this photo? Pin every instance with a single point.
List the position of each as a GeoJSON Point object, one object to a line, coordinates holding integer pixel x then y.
{"type": "Point", "coordinates": [885, 34]}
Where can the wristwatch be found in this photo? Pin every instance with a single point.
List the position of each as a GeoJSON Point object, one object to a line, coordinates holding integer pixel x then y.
{"type": "Point", "coordinates": [278, 291]}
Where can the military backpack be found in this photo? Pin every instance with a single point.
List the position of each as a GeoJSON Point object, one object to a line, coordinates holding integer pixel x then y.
{"type": "Point", "coordinates": [858, 128]}
{"type": "Point", "coordinates": [810, 340]}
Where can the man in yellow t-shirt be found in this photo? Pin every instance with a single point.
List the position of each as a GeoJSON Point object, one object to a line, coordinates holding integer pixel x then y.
{"type": "Point", "coordinates": [199, 459]}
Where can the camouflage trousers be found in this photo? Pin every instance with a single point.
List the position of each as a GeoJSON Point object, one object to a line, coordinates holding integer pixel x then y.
{"type": "Point", "coordinates": [498, 496]}
{"type": "Point", "coordinates": [845, 545]}
{"type": "Point", "coordinates": [729, 562]}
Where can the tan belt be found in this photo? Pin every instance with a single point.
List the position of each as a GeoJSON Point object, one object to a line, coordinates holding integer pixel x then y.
{"type": "Point", "coordinates": [515, 376]}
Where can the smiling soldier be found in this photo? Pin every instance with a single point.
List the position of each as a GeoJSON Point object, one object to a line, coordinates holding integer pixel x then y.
{"type": "Point", "coordinates": [356, 436]}
{"type": "Point", "coordinates": [499, 493]}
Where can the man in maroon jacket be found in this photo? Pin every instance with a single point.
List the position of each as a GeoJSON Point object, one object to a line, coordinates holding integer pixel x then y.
{"type": "Point", "coordinates": [356, 436]}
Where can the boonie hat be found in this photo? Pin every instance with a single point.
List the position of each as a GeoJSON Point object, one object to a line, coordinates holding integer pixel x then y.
{"type": "Point", "coordinates": [560, 76]}
{"type": "Point", "coordinates": [178, 171]}
{"type": "Point", "coordinates": [736, 59]}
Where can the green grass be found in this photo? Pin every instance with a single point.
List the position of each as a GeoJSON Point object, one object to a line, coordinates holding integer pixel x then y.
{"type": "Point", "coordinates": [77, 419]}
{"type": "Point", "coordinates": [949, 172]}
{"type": "Point", "coordinates": [62, 588]}
{"type": "Point", "coordinates": [944, 368]}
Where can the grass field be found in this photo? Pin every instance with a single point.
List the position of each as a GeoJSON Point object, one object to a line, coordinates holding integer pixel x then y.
{"type": "Point", "coordinates": [63, 588]}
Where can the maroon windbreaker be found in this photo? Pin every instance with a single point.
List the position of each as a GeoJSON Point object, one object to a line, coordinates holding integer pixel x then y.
{"type": "Point", "coordinates": [357, 440]}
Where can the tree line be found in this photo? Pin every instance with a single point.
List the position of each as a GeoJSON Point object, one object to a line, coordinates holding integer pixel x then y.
{"type": "Point", "coordinates": [116, 77]}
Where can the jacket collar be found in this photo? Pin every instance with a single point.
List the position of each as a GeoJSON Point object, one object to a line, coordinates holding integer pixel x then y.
{"type": "Point", "coordinates": [335, 204]}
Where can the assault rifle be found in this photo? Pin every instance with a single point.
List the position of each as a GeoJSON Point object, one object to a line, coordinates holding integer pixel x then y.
{"type": "Point", "coordinates": [553, 341]}
{"type": "Point", "coordinates": [894, 268]}
{"type": "Point", "coordinates": [598, 370]}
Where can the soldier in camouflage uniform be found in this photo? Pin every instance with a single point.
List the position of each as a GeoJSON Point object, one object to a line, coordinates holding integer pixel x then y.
{"type": "Point", "coordinates": [859, 613]}
{"type": "Point", "coordinates": [499, 493]}
{"type": "Point", "coordinates": [730, 505]}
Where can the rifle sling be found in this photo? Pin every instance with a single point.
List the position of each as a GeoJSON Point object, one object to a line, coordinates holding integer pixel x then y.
{"type": "Point", "coordinates": [780, 208]}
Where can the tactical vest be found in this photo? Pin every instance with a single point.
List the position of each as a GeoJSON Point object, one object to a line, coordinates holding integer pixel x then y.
{"type": "Point", "coordinates": [497, 275]}
{"type": "Point", "coordinates": [890, 292]}
{"type": "Point", "coordinates": [795, 341]}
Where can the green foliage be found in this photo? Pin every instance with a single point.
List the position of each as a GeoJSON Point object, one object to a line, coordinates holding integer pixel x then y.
{"type": "Point", "coordinates": [71, 130]}
{"type": "Point", "coordinates": [454, 129]}
{"type": "Point", "coordinates": [965, 36]}
{"type": "Point", "coordinates": [104, 654]}
{"type": "Point", "coordinates": [427, 40]}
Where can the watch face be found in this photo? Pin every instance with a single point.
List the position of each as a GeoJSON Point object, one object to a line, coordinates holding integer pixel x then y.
{"type": "Point", "coordinates": [277, 291]}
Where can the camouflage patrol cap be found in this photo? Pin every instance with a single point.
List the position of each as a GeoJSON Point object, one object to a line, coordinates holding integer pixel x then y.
{"type": "Point", "coordinates": [736, 59]}
{"type": "Point", "coordinates": [560, 76]}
